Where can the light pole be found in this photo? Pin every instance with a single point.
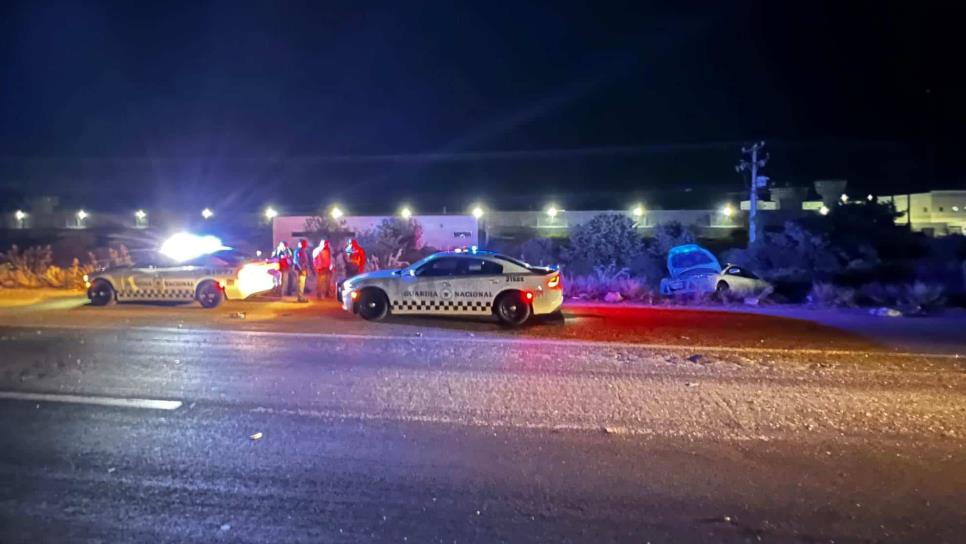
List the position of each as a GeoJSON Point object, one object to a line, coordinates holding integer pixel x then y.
{"type": "Point", "coordinates": [81, 216]}
{"type": "Point", "coordinates": [758, 160]}
{"type": "Point", "coordinates": [336, 213]}
{"type": "Point", "coordinates": [140, 219]}
{"type": "Point", "coordinates": [406, 213]}
{"type": "Point", "coordinates": [478, 213]}
{"type": "Point", "coordinates": [207, 213]}
{"type": "Point", "coordinates": [20, 216]}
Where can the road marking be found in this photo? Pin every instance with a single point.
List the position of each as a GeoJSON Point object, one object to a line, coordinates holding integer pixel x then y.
{"type": "Point", "coordinates": [147, 404]}
{"type": "Point", "coordinates": [519, 341]}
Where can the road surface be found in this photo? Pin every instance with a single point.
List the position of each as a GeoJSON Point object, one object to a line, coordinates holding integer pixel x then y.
{"type": "Point", "coordinates": [300, 424]}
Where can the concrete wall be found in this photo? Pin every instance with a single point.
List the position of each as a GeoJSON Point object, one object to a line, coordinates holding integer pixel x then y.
{"type": "Point", "coordinates": [710, 223]}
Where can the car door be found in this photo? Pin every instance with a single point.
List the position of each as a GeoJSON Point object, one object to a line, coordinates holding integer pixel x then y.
{"type": "Point", "coordinates": [431, 288]}
{"type": "Point", "coordinates": [178, 282]}
{"type": "Point", "coordinates": [141, 283]}
{"type": "Point", "coordinates": [479, 281]}
{"type": "Point", "coordinates": [740, 280]}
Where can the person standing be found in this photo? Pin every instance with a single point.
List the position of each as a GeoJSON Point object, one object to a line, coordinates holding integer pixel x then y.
{"type": "Point", "coordinates": [322, 261]}
{"type": "Point", "coordinates": [355, 258]}
{"type": "Point", "coordinates": [302, 264]}
{"type": "Point", "coordinates": [282, 256]}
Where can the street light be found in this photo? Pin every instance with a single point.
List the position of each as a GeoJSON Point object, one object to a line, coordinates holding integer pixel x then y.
{"type": "Point", "coordinates": [870, 198]}
{"type": "Point", "coordinates": [19, 215]}
{"type": "Point", "coordinates": [638, 210]}
{"type": "Point", "coordinates": [552, 211]}
{"type": "Point", "coordinates": [82, 215]}
{"type": "Point", "coordinates": [406, 213]}
{"type": "Point", "coordinates": [140, 215]}
{"type": "Point", "coordinates": [336, 213]}
{"type": "Point", "coordinates": [271, 213]}
{"type": "Point", "coordinates": [844, 198]}
{"type": "Point", "coordinates": [727, 210]}
{"type": "Point", "coordinates": [823, 210]}
{"type": "Point", "coordinates": [207, 213]}
{"type": "Point", "coordinates": [477, 212]}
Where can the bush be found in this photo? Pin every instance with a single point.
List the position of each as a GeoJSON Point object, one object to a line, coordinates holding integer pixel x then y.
{"type": "Point", "coordinates": [539, 251]}
{"type": "Point", "coordinates": [32, 268]}
{"type": "Point", "coordinates": [827, 294]}
{"type": "Point", "coordinates": [917, 297]}
{"type": "Point", "coordinates": [605, 239]}
{"type": "Point", "coordinates": [605, 280]}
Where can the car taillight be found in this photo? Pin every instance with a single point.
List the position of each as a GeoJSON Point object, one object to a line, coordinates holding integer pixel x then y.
{"type": "Point", "coordinates": [528, 295]}
{"type": "Point", "coordinates": [554, 281]}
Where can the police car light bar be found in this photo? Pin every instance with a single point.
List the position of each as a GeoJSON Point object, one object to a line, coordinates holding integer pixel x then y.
{"type": "Point", "coordinates": [185, 246]}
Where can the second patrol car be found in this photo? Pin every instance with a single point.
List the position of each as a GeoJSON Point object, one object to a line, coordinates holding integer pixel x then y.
{"type": "Point", "coordinates": [208, 279]}
{"type": "Point", "coordinates": [479, 283]}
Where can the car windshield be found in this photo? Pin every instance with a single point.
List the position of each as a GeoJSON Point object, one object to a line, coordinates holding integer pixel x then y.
{"type": "Point", "coordinates": [691, 259]}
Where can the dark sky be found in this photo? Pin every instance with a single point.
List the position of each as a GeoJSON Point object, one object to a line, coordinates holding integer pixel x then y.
{"type": "Point", "coordinates": [237, 104]}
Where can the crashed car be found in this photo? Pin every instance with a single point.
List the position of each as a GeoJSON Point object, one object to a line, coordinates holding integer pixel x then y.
{"type": "Point", "coordinates": [695, 270]}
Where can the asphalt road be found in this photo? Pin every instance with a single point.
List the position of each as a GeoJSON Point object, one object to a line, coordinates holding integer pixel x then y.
{"type": "Point", "coordinates": [434, 431]}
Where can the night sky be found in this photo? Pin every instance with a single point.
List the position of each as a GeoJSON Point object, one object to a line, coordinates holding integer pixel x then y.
{"type": "Point", "coordinates": [234, 105]}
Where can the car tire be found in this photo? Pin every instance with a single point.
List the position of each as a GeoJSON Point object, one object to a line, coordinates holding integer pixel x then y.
{"type": "Point", "coordinates": [372, 305]}
{"type": "Point", "coordinates": [512, 310]}
{"type": "Point", "coordinates": [209, 295]}
{"type": "Point", "coordinates": [722, 290]}
{"type": "Point", "coordinates": [101, 293]}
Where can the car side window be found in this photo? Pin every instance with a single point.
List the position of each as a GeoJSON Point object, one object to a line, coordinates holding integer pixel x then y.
{"type": "Point", "coordinates": [439, 267]}
{"type": "Point", "coordinates": [741, 272]}
{"type": "Point", "coordinates": [482, 267]}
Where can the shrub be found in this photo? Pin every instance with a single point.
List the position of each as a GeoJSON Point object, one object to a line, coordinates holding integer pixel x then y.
{"type": "Point", "coordinates": [605, 239]}
{"type": "Point", "coordinates": [910, 298]}
{"type": "Point", "coordinates": [604, 280]}
{"type": "Point", "coordinates": [827, 294]}
{"type": "Point", "coordinates": [32, 268]}
{"type": "Point", "coordinates": [539, 251]}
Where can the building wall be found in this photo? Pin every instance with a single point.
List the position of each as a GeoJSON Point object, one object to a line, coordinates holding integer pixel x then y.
{"type": "Point", "coordinates": [511, 224]}
{"type": "Point", "coordinates": [439, 231]}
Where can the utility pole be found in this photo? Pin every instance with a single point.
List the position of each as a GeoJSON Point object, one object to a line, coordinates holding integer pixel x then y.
{"type": "Point", "coordinates": [757, 160]}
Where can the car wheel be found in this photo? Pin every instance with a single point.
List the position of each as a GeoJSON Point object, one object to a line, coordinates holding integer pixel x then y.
{"type": "Point", "coordinates": [209, 295]}
{"type": "Point", "coordinates": [722, 290]}
{"type": "Point", "coordinates": [372, 305]}
{"type": "Point", "coordinates": [101, 293]}
{"type": "Point", "coordinates": [512, 310]}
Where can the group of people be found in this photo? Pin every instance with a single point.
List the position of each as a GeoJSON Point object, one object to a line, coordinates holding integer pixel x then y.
{"type": "Point", "coordinates": [295, 266]}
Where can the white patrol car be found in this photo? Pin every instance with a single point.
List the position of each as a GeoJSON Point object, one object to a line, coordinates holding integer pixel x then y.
{"type": "Point", "coordinates": [208, 279]}
{"type": "Point", "coordinates": [477, 283]}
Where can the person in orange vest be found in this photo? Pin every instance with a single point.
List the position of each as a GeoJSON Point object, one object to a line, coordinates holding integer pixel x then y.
{"type": "Point", "coordinates": [322, 261]}
{"type": "Point", "coordinates": [302, 264]}
{"type": "Point", "coordinates": [355, 257]}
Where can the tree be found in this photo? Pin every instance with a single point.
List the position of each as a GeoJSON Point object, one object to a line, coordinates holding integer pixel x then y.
{"type": "Point", "coordinates": [392, 243]}
{"type": "Point", "coordinates": [326, 228]}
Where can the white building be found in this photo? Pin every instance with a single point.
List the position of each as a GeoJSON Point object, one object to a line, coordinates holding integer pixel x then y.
{"type": "Point", "coordinates": [442, 232]}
